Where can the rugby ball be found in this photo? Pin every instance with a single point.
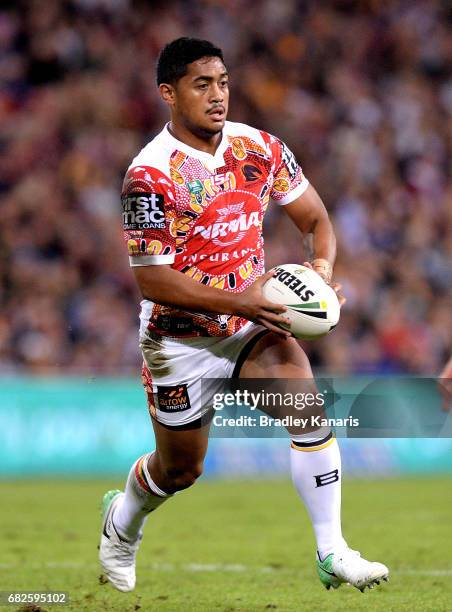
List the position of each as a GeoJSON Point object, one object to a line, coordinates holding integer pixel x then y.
{"type": "Point", "coordinates": [312, 305]}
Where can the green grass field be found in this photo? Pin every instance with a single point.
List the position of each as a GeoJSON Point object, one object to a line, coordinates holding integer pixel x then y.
{"type": "Point", "coordinates": [230, 546]}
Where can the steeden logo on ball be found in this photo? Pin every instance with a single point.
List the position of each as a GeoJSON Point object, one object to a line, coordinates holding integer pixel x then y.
{"type": "Point", "coordinates": [312, 305]}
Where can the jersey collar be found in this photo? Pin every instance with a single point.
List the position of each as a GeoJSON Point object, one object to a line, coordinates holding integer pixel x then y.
{"type": "Point", "coordinates": [210, 161]}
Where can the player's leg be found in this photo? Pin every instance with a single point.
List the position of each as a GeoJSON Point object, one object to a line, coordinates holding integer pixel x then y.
{"type": "Point", "coordinates": [171, 376]}
{"type": "Point", "coordinates": [281, 359]}
{"type": "Point", "coordinates": [316, 468]}
{"type": "Point", "coordinates": [154, 478]}
{"type": "Point", "coordinates": [175, 465]}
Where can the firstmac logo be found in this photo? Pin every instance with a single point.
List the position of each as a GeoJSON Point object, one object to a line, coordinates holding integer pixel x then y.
{"type": "Point", "coordinates": [143, 211]}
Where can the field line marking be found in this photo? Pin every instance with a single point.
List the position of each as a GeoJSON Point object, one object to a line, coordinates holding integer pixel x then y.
{"type": "Point", "coordinates": [209, 567]}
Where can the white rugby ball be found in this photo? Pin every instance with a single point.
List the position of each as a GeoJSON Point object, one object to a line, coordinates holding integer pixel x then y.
{"type": "Point", "coordinates": [312, 305]}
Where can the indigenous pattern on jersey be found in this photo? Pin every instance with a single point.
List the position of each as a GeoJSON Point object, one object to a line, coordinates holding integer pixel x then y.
{"type": "Point", "coordinates": [202, 214]}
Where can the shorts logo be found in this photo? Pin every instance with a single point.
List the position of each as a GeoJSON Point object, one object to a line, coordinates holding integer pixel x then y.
{"type": "Point", "coordinates": [173, 399]}
{"type": "Point", "coordinates": [143, 211]}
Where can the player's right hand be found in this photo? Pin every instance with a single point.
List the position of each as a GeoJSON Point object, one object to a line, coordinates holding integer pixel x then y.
{"type": "Point", "coordinates": [252, 305]}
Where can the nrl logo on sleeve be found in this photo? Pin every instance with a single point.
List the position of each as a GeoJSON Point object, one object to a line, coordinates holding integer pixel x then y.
{"type": "Point", "coordinates": [143, 211]}
{"type": "Point", "coordinates": [289, 160]}
{"type": "Point", "coordinates": [173, 399]}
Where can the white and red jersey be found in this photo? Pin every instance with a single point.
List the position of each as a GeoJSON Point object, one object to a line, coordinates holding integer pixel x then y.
{"type": "Point", "coordinates": [202, 214]}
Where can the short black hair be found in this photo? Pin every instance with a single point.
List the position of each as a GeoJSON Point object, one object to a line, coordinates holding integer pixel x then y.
{"type": "Point", "coordinates": [174, 57]}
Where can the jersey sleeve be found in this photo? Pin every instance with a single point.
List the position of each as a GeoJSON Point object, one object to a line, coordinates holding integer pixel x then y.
{"type": "Point", "coordinates": [289, 182]}
{"type": "Point", "coordinates": [148, 211]}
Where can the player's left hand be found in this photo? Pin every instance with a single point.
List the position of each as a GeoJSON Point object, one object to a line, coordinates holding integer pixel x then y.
{"type": "Point", "coordinates": [336, 286]}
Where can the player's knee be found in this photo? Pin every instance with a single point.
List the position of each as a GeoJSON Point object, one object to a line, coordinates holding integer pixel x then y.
{"type": "Point", "coordinates": [182, 477]}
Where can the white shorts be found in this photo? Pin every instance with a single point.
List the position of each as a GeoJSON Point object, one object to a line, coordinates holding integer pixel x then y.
{"type": "Point", "coordinates": [173, 369]}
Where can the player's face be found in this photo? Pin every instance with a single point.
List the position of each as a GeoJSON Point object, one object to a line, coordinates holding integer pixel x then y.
{"type": "Point", "coordinates": [201, 97]}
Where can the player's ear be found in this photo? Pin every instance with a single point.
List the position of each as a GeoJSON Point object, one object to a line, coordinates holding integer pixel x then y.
{"type": "Point", "coordinates": [167, 93]}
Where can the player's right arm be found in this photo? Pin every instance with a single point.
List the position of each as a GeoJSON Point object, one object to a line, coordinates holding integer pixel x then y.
{"type": "Point", "coordinates": [148, 212]}
{"type": "Point", "coordinates": [164, 285]}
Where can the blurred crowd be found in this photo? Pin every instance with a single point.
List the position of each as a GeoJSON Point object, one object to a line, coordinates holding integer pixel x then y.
{"type": "Point", "coordinates": [358, 89]}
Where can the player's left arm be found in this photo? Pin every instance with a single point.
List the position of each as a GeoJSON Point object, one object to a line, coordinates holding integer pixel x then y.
{"type": "Point", "coordinates": [310, 216]}
{"type": "Point", "coordinates": [292, 190]}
